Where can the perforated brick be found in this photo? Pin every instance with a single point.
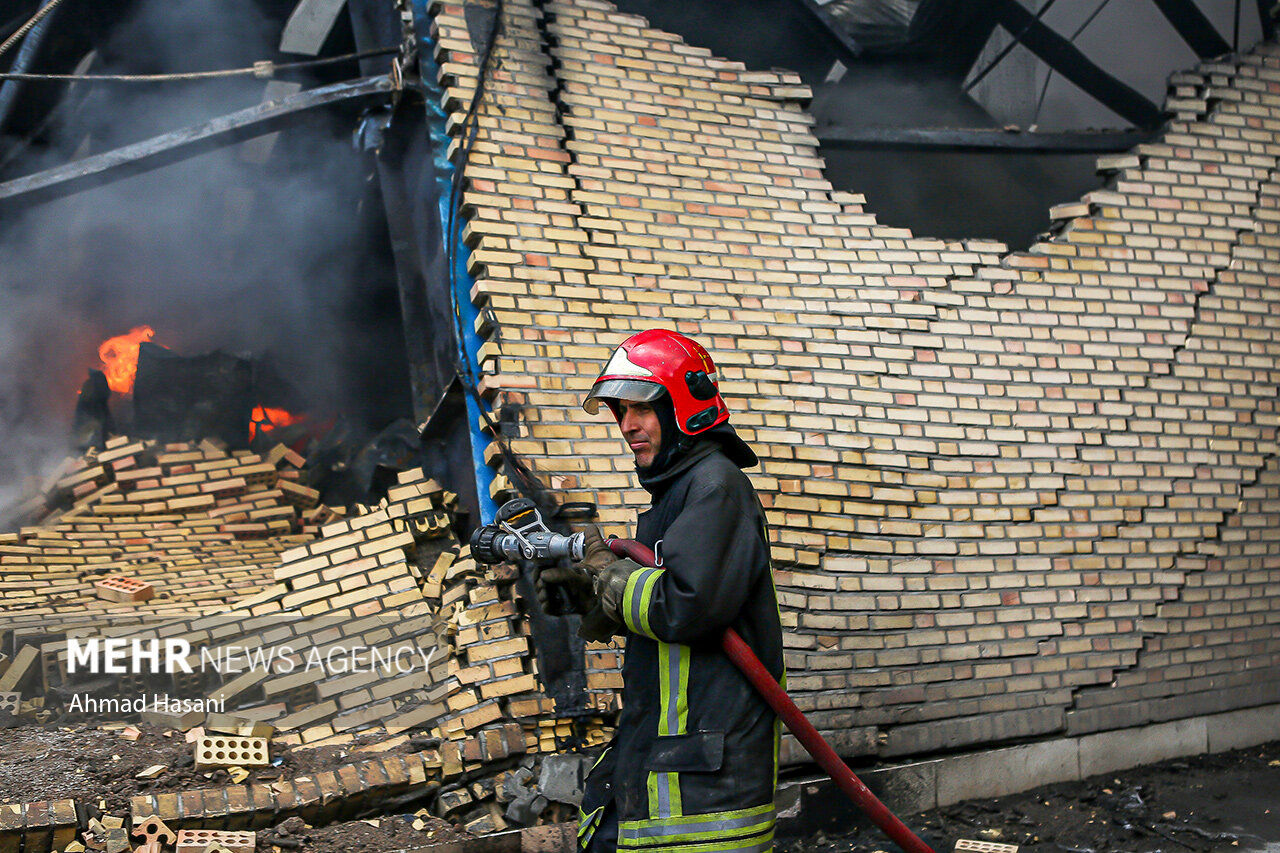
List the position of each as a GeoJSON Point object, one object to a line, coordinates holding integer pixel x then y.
{"type": "Point", "coordinates": [9, 702]}
{"type": "Point", "coordinates": [199, 840]}
{"type": "Point", "coordinates": [965, 845]}
{"type": "Point", "coordinates": [153, 830]}
{"type": "Point", "coordinates": [228, 751]}
{"type": "Point", "coordinates": [121, 588]}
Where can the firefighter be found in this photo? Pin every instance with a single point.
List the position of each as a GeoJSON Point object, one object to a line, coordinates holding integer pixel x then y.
{"type": "Point", "coordinates": [693, 764]}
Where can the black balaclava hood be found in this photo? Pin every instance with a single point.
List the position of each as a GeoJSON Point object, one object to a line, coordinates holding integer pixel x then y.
{"type": "Point", "coordinates": [674, 456]}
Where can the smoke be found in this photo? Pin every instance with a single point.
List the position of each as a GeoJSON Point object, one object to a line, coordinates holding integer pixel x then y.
{"type": "Point", "coordinates": [224, 251]}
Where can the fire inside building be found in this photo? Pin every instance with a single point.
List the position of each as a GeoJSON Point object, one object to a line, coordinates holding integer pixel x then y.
{"type": "Point", "coordinates": [300, 294]}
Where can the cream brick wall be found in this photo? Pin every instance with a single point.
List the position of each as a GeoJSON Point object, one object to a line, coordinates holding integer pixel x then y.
{"type": "Point", "coordinates": [1010, 494]}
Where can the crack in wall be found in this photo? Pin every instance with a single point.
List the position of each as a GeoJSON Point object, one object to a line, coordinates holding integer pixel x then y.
{"type": "Point", "coordinates": [1206, 546]}
{"type": "Point", "coordinates": [556, 93]}
{"type": "Point", "coordinates": [1163, 367]}
{"type": "Point", "coordinates": [940, 297]}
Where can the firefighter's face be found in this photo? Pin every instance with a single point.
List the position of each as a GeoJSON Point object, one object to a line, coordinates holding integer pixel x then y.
{"type": "Point", "coordinates": [641, 430]}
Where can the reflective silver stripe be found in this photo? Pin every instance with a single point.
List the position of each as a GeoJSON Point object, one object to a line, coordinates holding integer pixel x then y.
{"type": "Point", "coordinates": [587, 825]}
{"type": "Point", "coordinates": [637, 595]}
{"type": "Point", "coordinates": [664, 796]}
{"type": "Point", "coordinates": [673, 684]}
{"type": "Point", "coordinates": [762, 820]}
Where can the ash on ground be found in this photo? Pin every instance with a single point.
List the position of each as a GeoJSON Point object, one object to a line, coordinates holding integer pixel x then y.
{"type": "Point", "coordinates": [1206, 804]}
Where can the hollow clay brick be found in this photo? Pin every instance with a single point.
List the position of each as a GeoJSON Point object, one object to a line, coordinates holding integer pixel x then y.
{"type": "Point", "coordinates": [199, 840]}
{"type": "Point", "coordinates": [124, 589]}
{"type": "Point", "coordinates": [229, 751]}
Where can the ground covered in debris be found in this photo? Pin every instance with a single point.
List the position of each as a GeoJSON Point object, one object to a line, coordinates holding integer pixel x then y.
{"type": "Point", "coordinates": [101, 768]}
{"type": "Point", "coordinates": [1205, 804]}
{"type": "Point", "coordinates": [104, 767]}
{"type": "Point", "coordinates": [379, 835]}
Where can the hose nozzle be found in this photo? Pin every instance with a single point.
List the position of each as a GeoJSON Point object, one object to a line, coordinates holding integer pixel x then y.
{"type": "Point", "coordinates": [518, 533]}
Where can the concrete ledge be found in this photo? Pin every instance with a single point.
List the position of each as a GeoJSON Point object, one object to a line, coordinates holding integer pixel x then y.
{"type": "Point", "coordinates": [1239, 729]}
{"type": "Point", "coordinates": [815, 803]}
{"type": "Point", "coordinates": [1108, 751]}
{"type": "Point", "coordinates": [995, 773]}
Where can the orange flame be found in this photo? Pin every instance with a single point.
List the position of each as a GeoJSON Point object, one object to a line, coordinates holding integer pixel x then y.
{"type": "Point", "coordinates": [267, 419]}
{"type": "Point", "coordinates": [120, 358]}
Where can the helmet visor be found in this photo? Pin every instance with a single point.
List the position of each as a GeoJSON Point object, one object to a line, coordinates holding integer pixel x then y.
{"type": "Point", "coordinates": [633, 390]}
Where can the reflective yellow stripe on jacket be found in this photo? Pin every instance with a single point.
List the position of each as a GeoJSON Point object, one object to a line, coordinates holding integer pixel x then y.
{"type": "Point", "coordinates": [673, 719]}
{"type": "Point", "coordinates": [741, 831]}
{"type": "Point", "coordinates": [667, 827]}
{"type": "Point", "coordinates": [673, 681]}
{"type": "Point", "coordinates": [636, 599]}
{"type": "Point", "coordinates": [587, 822]}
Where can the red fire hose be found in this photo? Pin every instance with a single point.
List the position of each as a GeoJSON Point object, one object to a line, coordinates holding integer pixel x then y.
{"type": "Point", "coordinates": [745, 659]}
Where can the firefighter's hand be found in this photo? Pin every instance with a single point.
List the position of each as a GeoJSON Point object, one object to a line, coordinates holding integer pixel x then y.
{"type": "Point", "coordinates": [598, 625]}
{"type": "Point", "coordinates": [611, 586]}
{"type": "Point", "coordinates": [577, 579]}
{"type": "Point", "coordinates": [576, 583]}
{"type": "Point", "coordinates": [596, 554]}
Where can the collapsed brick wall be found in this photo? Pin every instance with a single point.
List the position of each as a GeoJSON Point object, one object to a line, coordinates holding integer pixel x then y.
{"type": "Point", "coordinates": [376, 632]}
{"type": "Point", "coordinates": [394, 580]}
{"type": "Point", "coordinates": [1005, 489]}
{"type": "Point", "coordinates": [201, 525]}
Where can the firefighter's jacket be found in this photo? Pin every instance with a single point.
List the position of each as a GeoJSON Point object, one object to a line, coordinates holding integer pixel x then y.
{"type": "Point", "coordinates": [693, 765]}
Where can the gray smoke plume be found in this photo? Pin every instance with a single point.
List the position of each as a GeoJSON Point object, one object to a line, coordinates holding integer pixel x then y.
{"type": "Point", "coordinates": [218, 252]}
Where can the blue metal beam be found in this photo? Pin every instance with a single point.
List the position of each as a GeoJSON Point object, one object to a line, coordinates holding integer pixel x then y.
{"type": "Point", "coordinates": [469, 345]}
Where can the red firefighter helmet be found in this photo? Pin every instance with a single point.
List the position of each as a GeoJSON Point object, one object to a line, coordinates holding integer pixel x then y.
{"type": "Point", "coordinates": [649, 362]}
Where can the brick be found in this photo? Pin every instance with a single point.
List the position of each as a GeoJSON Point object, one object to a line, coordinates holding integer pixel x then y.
{"type": "Point", "coordinates": [197, 840]}
{"type": "Point", "coordinates": [12, 821]}
{"type": "Point", "coordinates": [239, 810]}
{"type": "Point", "coordinates": [182, 722]}
{"type": "Point", "coordinates": [966, 845]}
{"type": "Point", "coordinates": [20, 669]}
{"type": "Point", "coordinates": [152, 829]}
{"type": "Point", "coordinates": [66, 826]}
{"type": "Point", "coordinates": [1069, 210]}
{"type": "Point", "coordinates": [230, 724]}
{"type": "Point", "coordinates": [124, 589]}
{"type": "Point", "coordinates": [213, 751]}
{"type": "Point", "coordinates": [283, 454]}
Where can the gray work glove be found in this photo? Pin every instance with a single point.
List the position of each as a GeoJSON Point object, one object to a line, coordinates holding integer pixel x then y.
{"type": "Point", "coordinates": [576, 579]}
{"type": "Point", "coordinates": [611, 586]}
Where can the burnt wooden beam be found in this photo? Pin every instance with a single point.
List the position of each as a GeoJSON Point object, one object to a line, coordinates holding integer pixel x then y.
{"type": "Point", "coordinates": [1065, 58]}
{"type": "Point", "coordinates": [846, 49]}
{"type": "Point", "coordinates": [977, 139]}
{"type": "Point", "coordinates": [126, 161]}
{"type": "Point", "coordinates": [1194, 27]}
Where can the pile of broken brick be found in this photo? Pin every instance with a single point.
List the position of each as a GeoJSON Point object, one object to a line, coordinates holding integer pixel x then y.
{"type": "Point", "coordinates": [235, 555]}
{"type": "Point", "coordinates": [111, 835]}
